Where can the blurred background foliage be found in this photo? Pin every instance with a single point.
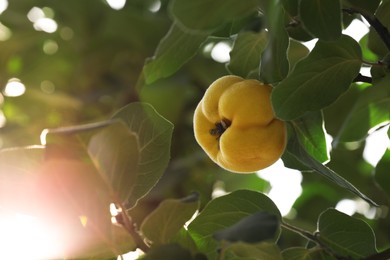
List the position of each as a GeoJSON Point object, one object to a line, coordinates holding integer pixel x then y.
{"type": "Point", "coordinates": [80, 61]}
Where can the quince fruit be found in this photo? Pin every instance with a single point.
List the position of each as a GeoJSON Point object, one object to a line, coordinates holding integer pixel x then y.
{"type": "Point", "coordinates": [235, 125]}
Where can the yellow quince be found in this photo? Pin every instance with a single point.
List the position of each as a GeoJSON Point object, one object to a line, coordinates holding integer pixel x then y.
{"type": "Point", "coordinates": [235, 125]}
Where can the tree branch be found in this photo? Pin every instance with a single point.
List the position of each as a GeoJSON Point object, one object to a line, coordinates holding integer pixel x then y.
{"type": "Point", "coordinates": [382, 31]}
{"type": "Point", "coordinates": [380, 256]}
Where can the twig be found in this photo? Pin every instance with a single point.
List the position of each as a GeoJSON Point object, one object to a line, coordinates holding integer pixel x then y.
{"type": "Point", "coordinates": [313, 238]}
{"type": "Point", "coordinates": [301, 232]}
{"type": "Point", "coordinates": [382, 31]}
{"type": "Point", "coordinates": [129, 226]}
{"type": "Point", "coordinates": [362, 78]}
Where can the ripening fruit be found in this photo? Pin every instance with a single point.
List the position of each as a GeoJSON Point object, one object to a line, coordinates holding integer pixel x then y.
{"type": "Point", "coordinates": [235, 125]}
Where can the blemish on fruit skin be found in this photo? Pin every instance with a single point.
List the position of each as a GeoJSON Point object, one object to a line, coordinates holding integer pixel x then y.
{"type": "Point", "coordinates": [220, 128]}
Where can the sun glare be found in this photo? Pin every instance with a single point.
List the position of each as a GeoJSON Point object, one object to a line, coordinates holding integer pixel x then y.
{"type": "Point", "coordinates": [24, 237]}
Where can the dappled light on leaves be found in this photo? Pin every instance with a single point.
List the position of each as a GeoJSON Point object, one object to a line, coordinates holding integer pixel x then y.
{"type": "Point", "coordinates": [220, 52]}
{"type": "Point", "coordinates": [5, 32]}
{"type": "Point", "coordinates": [50, 47]}
{"type": "Point", "coordinates": [42, 21]}
{"type": "Point", "coordinates": [116, 4]}
{"type": "Point", "coordinates": [14, 88]}
{"type": "Point", "coordinates": [3, 5]}
{"type": "Point", "coordinates": [155, 6]}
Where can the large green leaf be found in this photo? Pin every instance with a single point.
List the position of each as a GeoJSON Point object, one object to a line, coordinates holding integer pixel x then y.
{"type": "Point", "coordinates": [252, 229]}
{"type": "Point", "coordinates": [274, 63]}
{"type": "Point", "coordinates": [296, 52]}
{"type": "Point", "coordinates": [161, 226]}
{"type": "Point", "coordinates": [297, 150]}
{"type": "Point", "coordinates": [319, 79]}
{"type": "Point", "coordinates": [246, 53]}
{"type": "Point", "coordinates": [291, 6]}
{"type": "Point", "coordinates": [115, 151]}
{"type": "Point", "coordinates": [244, 251]}
{"type": "Point", "coordinates": [300, 253]}
{"type": "Point", "coordinates": [224, 212]}
{"type": "Point", "coordinates": [154, 139]}
{"type": "Point", "coordinates": [173, 51]}
{"type": "Point", "coordinates": [370, 110]}
{"type": "Point", "coordinates": [171, 251]}
{"type": "Point", "coordinates": [382, 174]}
{"type": "Point", "coordinates": [311, 133]}
{"type": "Point", "coordinates": [346, 235]}
{"type": "Point", "coordinates": [322, 18]}
{"type": "Point", "coordinates": [208, 15]}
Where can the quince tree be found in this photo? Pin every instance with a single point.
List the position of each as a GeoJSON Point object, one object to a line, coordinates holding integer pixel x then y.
{"type": "Point", "coordinates": [142, 128]}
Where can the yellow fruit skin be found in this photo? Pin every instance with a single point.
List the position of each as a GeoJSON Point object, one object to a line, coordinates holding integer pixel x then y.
{"type": "Point", "coordinates": [253, 139]}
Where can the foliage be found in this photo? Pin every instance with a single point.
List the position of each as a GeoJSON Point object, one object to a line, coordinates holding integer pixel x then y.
{"type": "Point", "coordinates": [138, 74]}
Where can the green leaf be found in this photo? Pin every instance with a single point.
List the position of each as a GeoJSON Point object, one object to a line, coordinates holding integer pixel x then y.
{"type": "Point", "coordinates": [297, 31]}
{"type": "Point", "coordinates": [244, 251]}
{"type": "Point", "coordinates": [382, 175]}
{"type": "Point", "coordinates": [363, 6]}
{"type": "Point", "coordinates": [167, 219]}
{"type": "Point", "coordinates": [375, 42]}
{"type": "Point", "coordinates": [154, 139]}
{"type": "Point", "coordinates": [274, 63]}
{"type": "Point", "coordinates": [311, 133]}
{"type": "Point", "coordinates": [252, 229]}
{"type": "Point", "coordinates": [295, 148]}
{"type": "Point", "coordinates": [296, 52]}
{"type": "Point", "coordinates": [291, 6]}
{"type": "Point", "coordinates": [291, 161]}
{"type": "Point", "coordinates": [184, 239]}
{"type": "Point", "coordinates": [368, 55]}
{"type": "Point", "coordinates": [346, 235]}
{"type": "Point", "coordinates": [319, 79]}
{"type": "Point", "coordinates": [370, 110]}
{"type": "Point", "coordinates": [246, 53]}
{"type": "Point", "coordinates": [233, 181]}
{"type": "Point", "coordinates": [115, 151]}
{"type": "Point", "coordinates": [173, 51]}
{"type": "Point", "coordinates": [322, 18]}
{"type": "Point", "coordinates": [170, 251]}
{"type": "Point", "coordinates": [300, 253]}
{"type": "Point", "coordinates": [224, 212]}
{"type": "Point", "coordinates": [209, 15]}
